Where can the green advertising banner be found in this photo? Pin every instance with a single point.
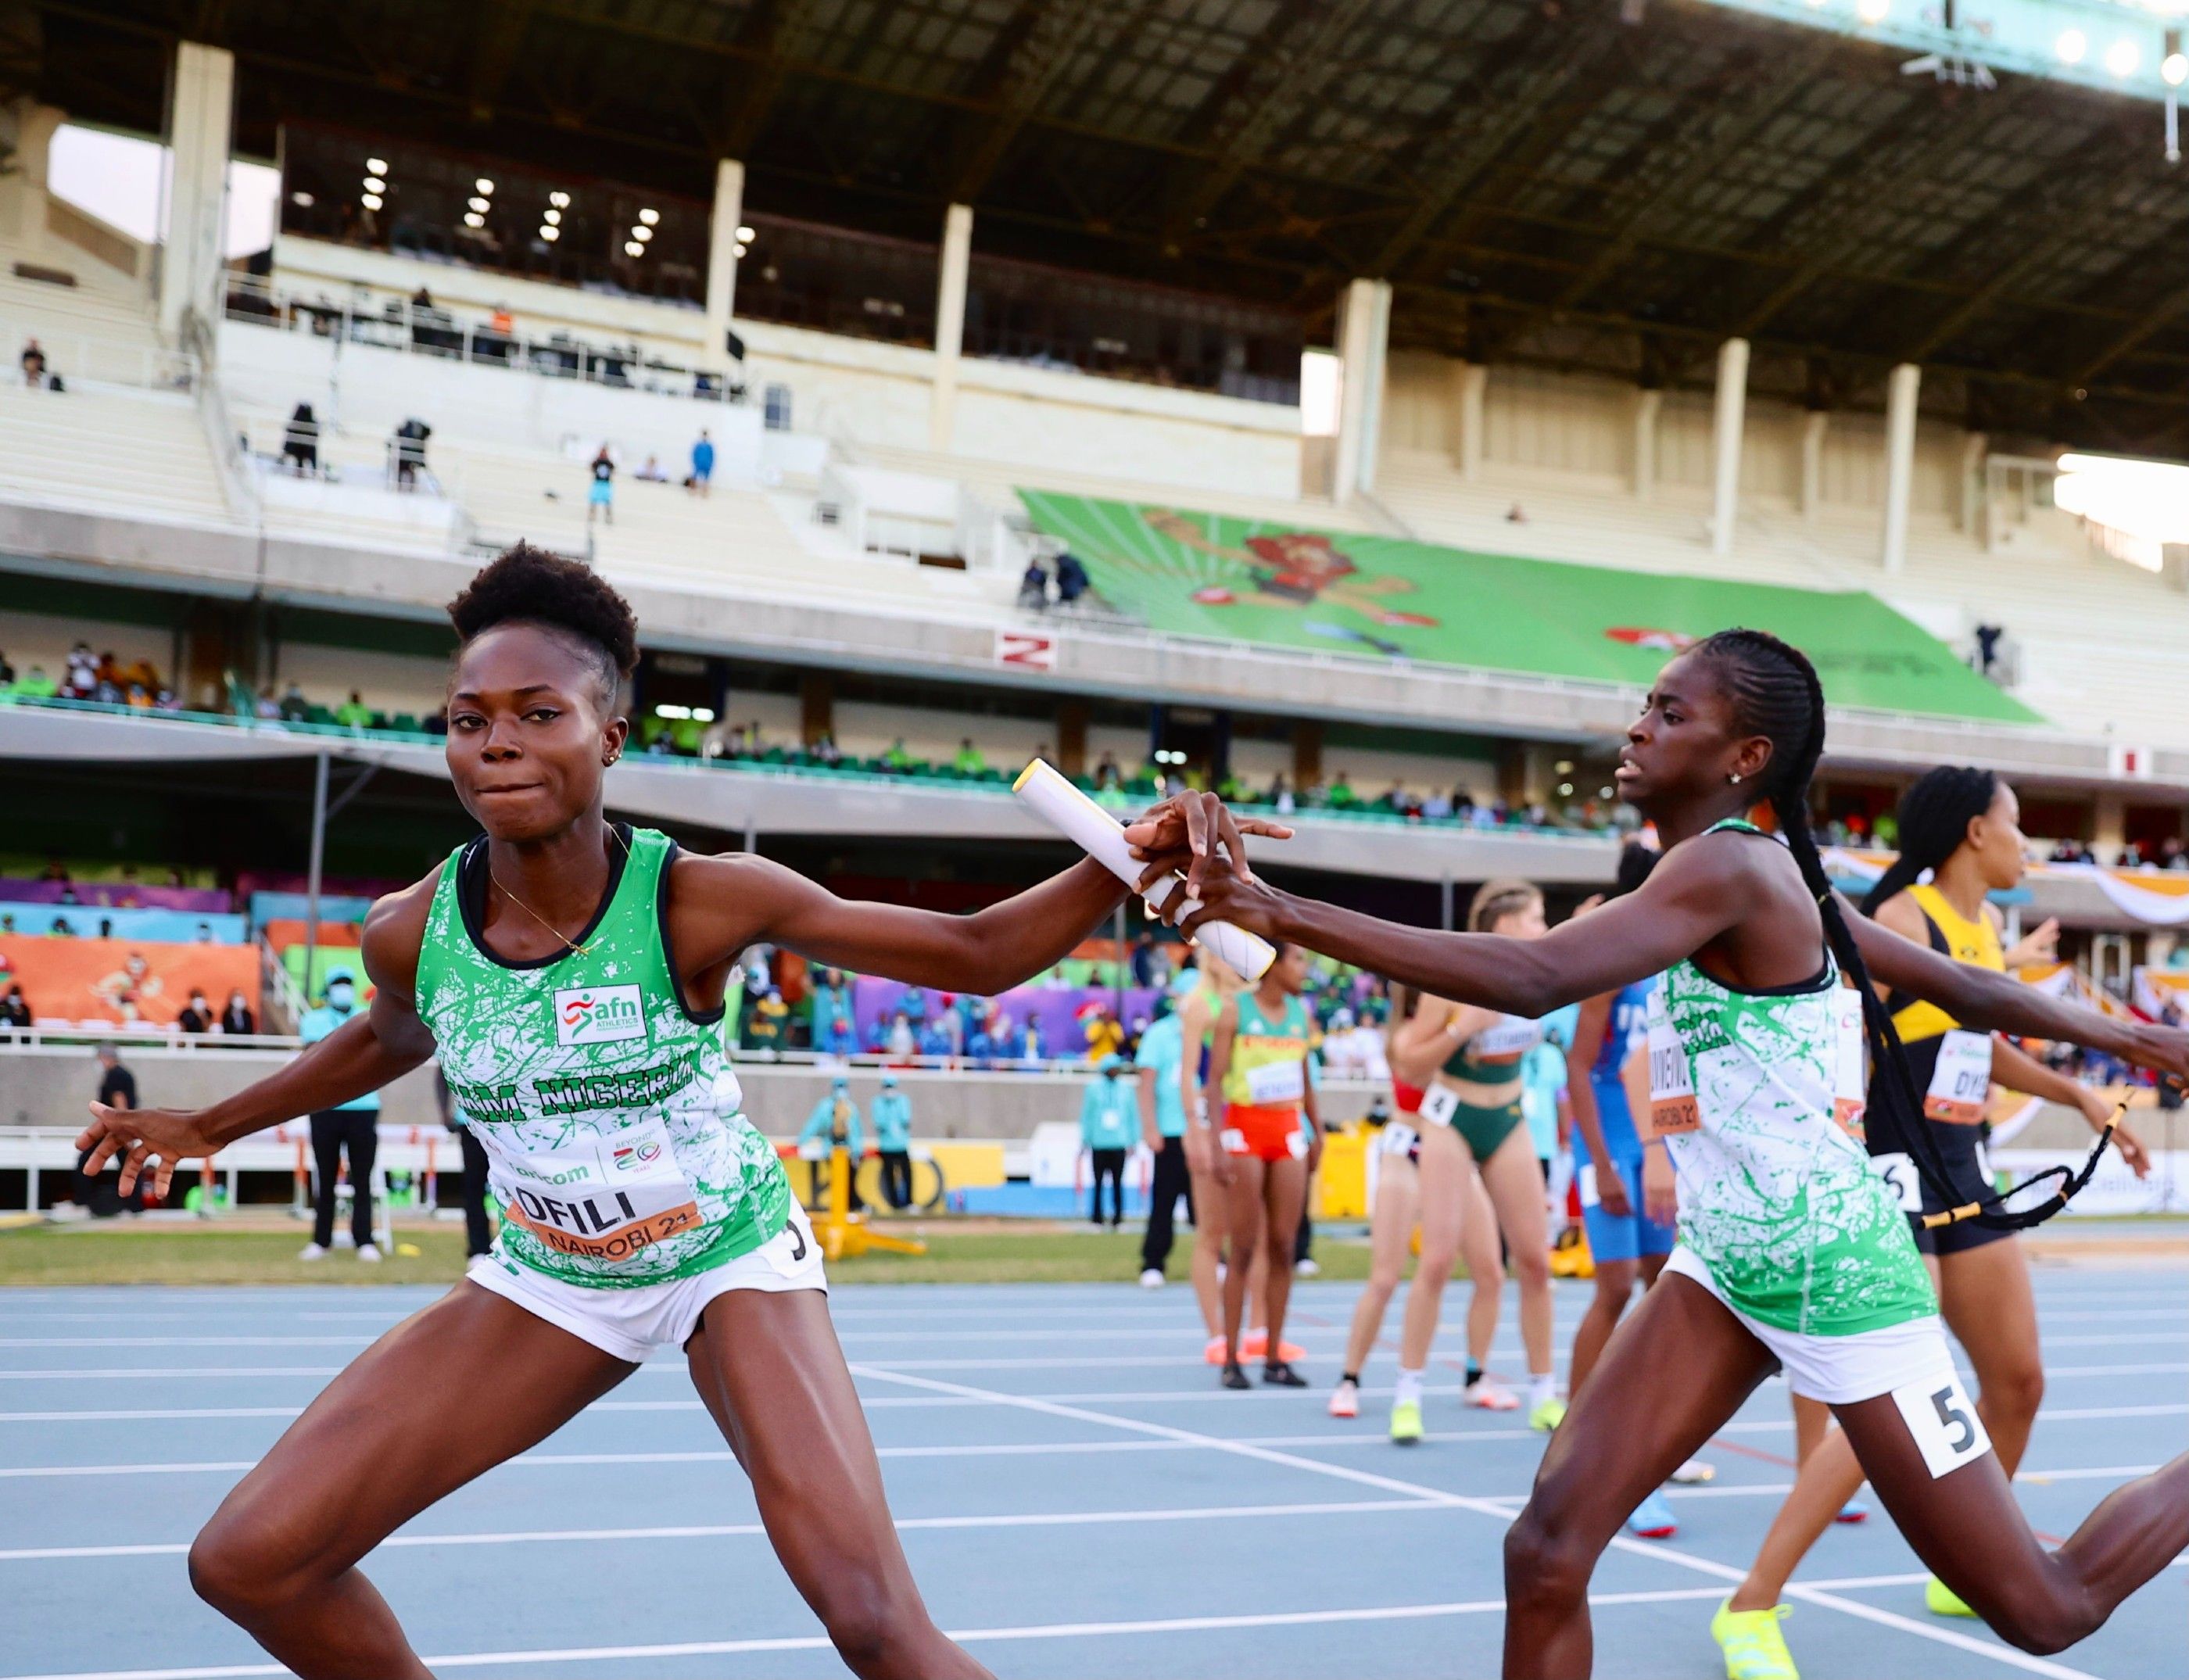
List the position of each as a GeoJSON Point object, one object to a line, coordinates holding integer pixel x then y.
{"type": "Point", "coordinates": [1378, 597]}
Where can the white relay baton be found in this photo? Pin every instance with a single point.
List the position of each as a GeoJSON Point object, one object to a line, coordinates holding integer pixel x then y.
{"type": "Point", "coordinates": [1053, 798]}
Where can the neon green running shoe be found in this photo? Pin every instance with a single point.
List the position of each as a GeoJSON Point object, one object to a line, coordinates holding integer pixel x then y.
{"type": "Point", "coordinates": [1545, 1415]}
{"type": "Point", "coordinates": [1940, 1599]}
{"type": "Point", "coordinates": [1754, 1648]}
{"type": "Point", "coordinates": [1406, 1424]}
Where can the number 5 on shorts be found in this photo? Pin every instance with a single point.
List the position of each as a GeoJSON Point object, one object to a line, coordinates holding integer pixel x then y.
{"type": "Point", "coordinates": [1943, 1421]}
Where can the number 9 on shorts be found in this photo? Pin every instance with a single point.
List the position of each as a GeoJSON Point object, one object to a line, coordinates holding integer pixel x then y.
{"type": "Point", "coordinates": [1943, 1421]}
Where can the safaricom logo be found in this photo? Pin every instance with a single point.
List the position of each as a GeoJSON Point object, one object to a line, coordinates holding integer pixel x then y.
{"type": "Point", "coordinates": [598, 1015]}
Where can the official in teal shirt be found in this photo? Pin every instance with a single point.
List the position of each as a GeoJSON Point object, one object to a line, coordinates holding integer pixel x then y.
{"type": "Point", "coordinates": [1543, 1081]}
{"type": "Point", "coordinates": [835, 1119]}
{"type": "Point", "coordinates": [891, 1114]}
{"type": "Point", "coordinates": [1163, 1128]}
{"type": "Point", "coordinates": [352, 1129]}
{"type": "Point", "coordinates": [1109, 1121]}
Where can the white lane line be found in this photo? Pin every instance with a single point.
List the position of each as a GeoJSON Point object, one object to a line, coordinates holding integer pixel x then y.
{"type": "Point", "coordinates": [1027, 1519]}
{"type": "Point", "coordinates": [1504, 1511]}
{"type": "Point", "coordinates": [964, 1636]}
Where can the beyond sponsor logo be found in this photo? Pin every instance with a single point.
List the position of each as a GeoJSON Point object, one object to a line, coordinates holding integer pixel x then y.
{"type": "Point", "coordinates": [631, 1156]}
{"type": "Point", "coordinates": [598, 1015]}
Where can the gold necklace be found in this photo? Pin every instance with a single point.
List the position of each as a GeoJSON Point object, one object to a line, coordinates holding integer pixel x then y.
{"type": "Point", "coordinates": [569, 944]}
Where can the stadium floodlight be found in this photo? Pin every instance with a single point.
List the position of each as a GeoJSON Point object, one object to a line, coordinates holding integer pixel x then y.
{"type": "Point", "coordinates": [560, 201]}
{"type": "Point", "coordinates": [1872, 11]}
{"type": "Point", "coordinates": [650, 216]}
{"type": "Point", "coordinates": [550, 234]}
{"type": "Point", "coordinates": [745, 233]}
{"type": "Point", "coordinates": [302, 201]}
{"type": "Point", "coordinates": [371, 201]}
{"type": "Point", "coordinates": [479, 204]}
{"type": "Point", "coordinates": [373, 184]}
{"type": "Point", "coordinates": [641, 233]}
{"type": "Point", "coordinates": [703, 714]}
{"type": "Point", "coordinates": [631, 247]}
{"type": "Point", "coordinates": [474, 219]}
{"type": "Point", "coordinates": [484, 185]}
{"type": "Point", "coordinates": [376, 166]}
{"type": "Point", "coordinates": [2123, 57]}
{"type": "Point", "coordinates": [553, 218]}
{"type": "Point", "coordinates": [2071, 46]}
{"type": "Point", "coordinates": [2176, 70]}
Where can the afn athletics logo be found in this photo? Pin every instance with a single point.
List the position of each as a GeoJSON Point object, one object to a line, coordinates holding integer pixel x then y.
{"type": "Point", "coordinates": [598, 1015]}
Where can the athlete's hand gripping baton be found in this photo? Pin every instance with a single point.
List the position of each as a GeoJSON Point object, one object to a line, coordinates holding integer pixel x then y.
{"type": "Point", "coordinates": [1052, 797]}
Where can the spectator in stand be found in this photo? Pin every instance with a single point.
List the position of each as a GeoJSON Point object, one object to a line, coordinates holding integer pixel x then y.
{"type": "Point", "coordinates": [1033, 587]}
{"type": "Point", "coordinates": [300, 443]}
{"type": "Point", "coordinates": [34, 364]}
{"type": "Point", "coordinates": [1107, 771]}
{"type": "Point", "coordinates": [600, 498]}
{"type": "Point", "coordinates": [1106, 1034]}
{"type": "Point", "coordinates": [969, 761]}
{"type": "Point", "coordinates": [1340, 795]}
{"type": "Point", "coordinates": [503, 323]}
{"type": "Point", "coordinates": [353, 713]}
{"type": "Point", "coordinates": [352, 1129]}
{"type": "Point", "coordinates": [294, 708]}
{"type": "Point", "coordinates": [703, 465]}
{"type": "Point", "coordinates": [825, 751]}
{"type": "Point", "coordinates": [1072, 580]}
{"type": "Point", "coordinates": [898, 1039]}
{"type": "Point", "coordinates": [196, 1015]}
{"type": "Point", "coordinates": [35, 685]}
{"type": "Point", "coordinates": [7, 673]}
{"type": "Point", "coordinates": [100, 1197]}
{"type": "Point", "coordinates": [237, 1017]}
{"type": "Point", "coordinates": [1109, 1120]}
{"type": "Point", "coordinates": [410, 452]}
{"type": "Point", "coordinates": [767, 1022]}
{"type": "Point", "coordinates": [1987, 637]}
{"type": "Point", "coordinates": [891, 1115]}
{"type": "Point", "coordinates": [897, 761]}
{"type": "Point", "coordinates": [15, 1010]}
{"type": "Point", "coordinates": [651, 473]}
{"type": "Point", "coordinates": [1145, 959]}
{"type": "Point", "coordinates": [82, 679]}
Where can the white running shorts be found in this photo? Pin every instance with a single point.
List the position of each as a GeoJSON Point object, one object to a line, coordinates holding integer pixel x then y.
{"type": "Point", "coordinates": [635, 1323]}
{"type": "Point", "coordinates": [1839, 1369]}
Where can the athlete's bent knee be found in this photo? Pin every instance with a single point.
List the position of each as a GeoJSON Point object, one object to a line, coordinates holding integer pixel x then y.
{"type": "Point", "coordinates": [238, 1568]}
{"type": "Point", "coordinates": [2017, 1391]}
{"type": "Point", "coordinates": [876, 1629]}
{"type": "Point", "coordinates": [1531, 1267]}
{"type": "Point", "coordinates": [1544, 1564]}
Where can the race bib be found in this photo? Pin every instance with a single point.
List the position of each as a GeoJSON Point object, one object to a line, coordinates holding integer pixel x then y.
{"type": "Point", "coordinates": [1439, 1103]}
{"type": "Point", "coordinates": [602, 1199]}
{"type": "Point", "coordinates": [1850, 1085]}
{"type": "Point", "coordinates": [1507, 1038]}
{"type": "Point", "coordinates": [1672, 1105]}
{"type": "Point", "coordinates": [1901, 1178]}
{"type": "Point", "coordinates": [1943, 1421]}
{"type": "Point", "coordinates": [1960, 1083]}
{"type": "Point", "coordinates": [1272, 1083]}
{"type": "Point", "coordinates": [1397, 1139]}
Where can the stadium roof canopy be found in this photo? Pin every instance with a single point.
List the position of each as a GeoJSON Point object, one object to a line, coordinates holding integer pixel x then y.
{"type": "Point", "coordinates": [1612, 185]}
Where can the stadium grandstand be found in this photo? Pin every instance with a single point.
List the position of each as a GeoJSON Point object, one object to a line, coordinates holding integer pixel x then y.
{"type": "Point", "coordinates": [1342, 406]}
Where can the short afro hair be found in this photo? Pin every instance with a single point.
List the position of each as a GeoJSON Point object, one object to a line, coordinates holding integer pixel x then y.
{"type": "Point", "coordinates": [529, 585]}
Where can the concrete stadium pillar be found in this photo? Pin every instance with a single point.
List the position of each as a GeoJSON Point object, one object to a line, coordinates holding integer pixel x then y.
{"type": "Point", "coordinates": [817, 707]}
{"type": "Point", "coordinates": [1471, 380]}
{"type": "Point", "coordinates": [722, 256]}
{"type": "Point", "coordinates": [949, 324]}
{"type": "Point", "coordinates": [1900, 392]}
{"type": "Point", "coordinates": [1307, 754]}
{"type": "Point", "coordinates": [1364, 343]}
{"type": "Point", "coordinates": [200, 120]}
{"type": "Point", "coordinates": [1815, 424]}
{"type": "Point", "coordinates": [1725, 441]}
{"type": "Point", "coordinates": [1648, 402]}
{"type": "Point", "coordinates": [1968, 501]}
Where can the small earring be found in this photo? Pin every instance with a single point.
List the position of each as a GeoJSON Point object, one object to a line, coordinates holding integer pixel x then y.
{"type": "Point", "coordinates": [1735, 777]}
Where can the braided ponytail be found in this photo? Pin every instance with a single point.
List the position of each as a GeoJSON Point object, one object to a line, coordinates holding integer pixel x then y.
{"type": "Point", "coordinates": [1775, 691]}
{"type": "Point", "coordinates": [1934, 815]}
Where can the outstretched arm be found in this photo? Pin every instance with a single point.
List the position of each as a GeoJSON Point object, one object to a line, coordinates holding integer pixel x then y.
{"type": "Point", "coordinates": [1998, 1003]}
{"type": "Point", "coordinates": [366, 1052]}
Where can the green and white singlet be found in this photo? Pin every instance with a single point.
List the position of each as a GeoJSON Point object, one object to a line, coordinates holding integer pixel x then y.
{"type": "Point", "coordinates": [613, 1121]}
{"type": "Point", "coordinates": [1758, 1097]}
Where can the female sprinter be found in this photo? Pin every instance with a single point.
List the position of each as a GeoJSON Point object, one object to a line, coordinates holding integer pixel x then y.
{"type": "Point", "coordinates": [569, 974]}
{"type": "Point", "coordinates": [1793, 1250]}
{"type": "Point", "coordinates": [1963, 827]}
{"type": "Point", "coordinates": [1471, 1120]}
{"type": "Point", "coordinates": [1260, 1064]}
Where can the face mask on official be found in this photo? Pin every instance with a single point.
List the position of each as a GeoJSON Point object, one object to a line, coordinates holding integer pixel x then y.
{"type": "Point", "coordinates": [341, 995]}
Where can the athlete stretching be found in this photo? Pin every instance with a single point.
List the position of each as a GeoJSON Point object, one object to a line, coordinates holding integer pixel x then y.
{"type": "Point", "coordinates": [569, 974]}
